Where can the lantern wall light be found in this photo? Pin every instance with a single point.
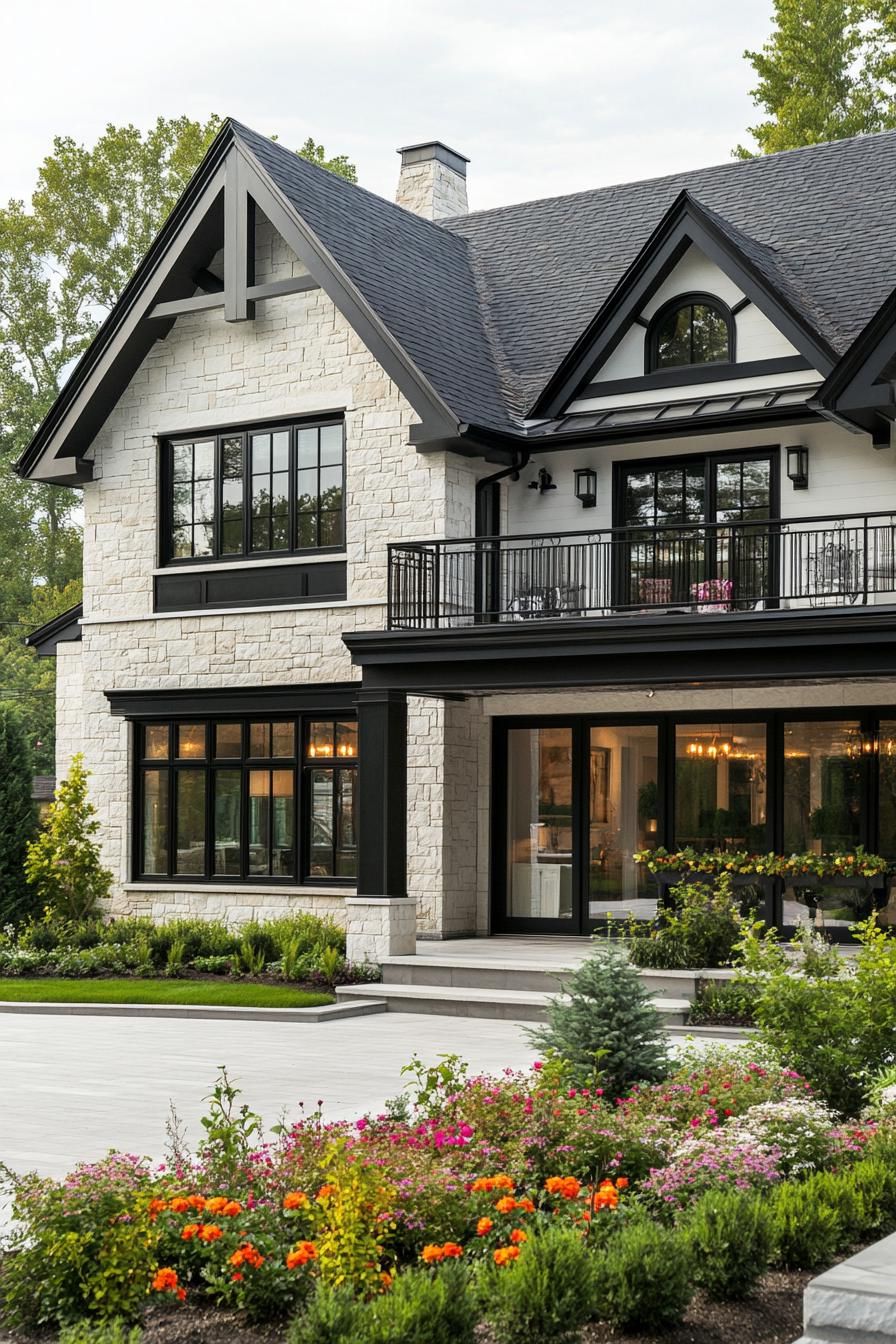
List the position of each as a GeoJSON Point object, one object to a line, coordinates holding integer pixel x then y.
{"type": "Point", "coordinates": [798, 466]}
{"type": "Point", "coordinates": [586, 487]}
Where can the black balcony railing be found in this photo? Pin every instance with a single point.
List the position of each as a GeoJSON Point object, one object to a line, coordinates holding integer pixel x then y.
{"type": "Point", "coordinates": [703, 568]}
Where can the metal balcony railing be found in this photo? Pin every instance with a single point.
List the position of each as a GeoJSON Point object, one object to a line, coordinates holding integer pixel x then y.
{"type": "Point", "coordinates": [750, 565]}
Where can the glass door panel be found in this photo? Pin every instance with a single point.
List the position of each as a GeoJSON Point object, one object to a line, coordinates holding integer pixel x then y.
{"type": "Point", "coordinates": [741, 557]}
{"type": "Point", "coordinates": [539, 824]}
{"type": "Point", "coordinates": [720, 786]}
{"type": "Point", "coordinates": [823, 788]}
{"type": "Point", "coordinates": [623, 818]}
{"type": "Point", "coordinates": [660, 563]}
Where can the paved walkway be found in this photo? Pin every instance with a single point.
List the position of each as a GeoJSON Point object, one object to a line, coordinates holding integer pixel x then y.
{"type": "Point", "coordinates": [73, 1087]}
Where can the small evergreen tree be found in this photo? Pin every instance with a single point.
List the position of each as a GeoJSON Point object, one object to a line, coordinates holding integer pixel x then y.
{"type": "Point", "coordinates": [18, 817]}
{"type": "Point", "coordinates": [606, 1023]}
{"type": "Point", "coordinates": [64, 864]}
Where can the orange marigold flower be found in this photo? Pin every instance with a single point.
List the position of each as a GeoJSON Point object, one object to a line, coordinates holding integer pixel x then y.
{"type": "Point", "coordinates": [179, 1204]}
{"type": "Point", "coordinates": [432, 1254]}
{"type": "Point", "coordinates": [181, 1294]}
{"type": "Point", "coordinates": [217, 1204]}
{"type": "Point", "coordinates": [487, 1184]}
{"type": "Point", "coordinates": [326, 1191]}
{"type": "Point", "coordinates": [518, 1236]}
{"type": "Point", "coordinates": [303, 1252]}
{"type": "Point", "coordinates": [506, 1205]}
{"type": "Point", "coordinates": [209, 1232]}
{"type": "Point", "coordinates": [526, 1205]}
{"type": "Point", "coordinates": [165, 1280]}
{"type": "Point", "coordinates": [502, 1182]}
{"type": "Point", "coordinates": [296, 1199]}
{"type": "Point", "coordinates": [505, 1253]}
{"type": "Point", "coordinates": [566, 1186]}
{"type": "Point", "coordinates": [232, 1208]}
{"type": "Point", "coordinates": [452, 1251]}
{"type": "Point", "coordinates": [196, 1202]}
{"type": "Point", "coordinates": [386, 1280]}
{"type": "Point", "coordinates": [236, 1278]}
{"type": "Point", "coordinates": [157, 1206]}
{"type": "Point", "coordinates": [622, 1183]}
{"type": "Point", "coordinates": [189, 1232]}
{"type": "Point", "coordinates": [483, 1227]}
{"type": "Point", "coordinates": [247, 1254]}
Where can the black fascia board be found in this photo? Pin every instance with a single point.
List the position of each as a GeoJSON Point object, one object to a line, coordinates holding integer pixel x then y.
{"type": "Point", "coordinates": [235, 701]}
{"type": "Point", "coordinates": [694, 374]}
{"type": "Point", "coordinates": [853, 386]}
{"type": "Point", "coordinates": [684, 224]}
{"type": "Point", "coordinates": [62, 629]}
{"type": "Point", "coordinates": [637, 650]}
{"type": "Point", "coordinates": [105, 338]}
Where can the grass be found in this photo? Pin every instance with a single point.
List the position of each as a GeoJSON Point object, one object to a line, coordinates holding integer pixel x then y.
{"type": "Point", "coordinates": [47, 990]}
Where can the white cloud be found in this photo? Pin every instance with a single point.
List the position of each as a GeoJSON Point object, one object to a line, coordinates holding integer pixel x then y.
{"type": "Point", "coordinates": [543, 97]}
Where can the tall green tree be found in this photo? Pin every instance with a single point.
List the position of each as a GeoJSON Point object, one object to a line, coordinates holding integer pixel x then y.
{"type": "Point", "coordinates": [827, 71]}
{"type": "Point", "coordinates": [64, 259]}
{"type": "Point", "coordinates": [18, 820]}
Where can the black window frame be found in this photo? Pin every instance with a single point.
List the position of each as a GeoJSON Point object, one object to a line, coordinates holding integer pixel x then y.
{"type": "Point", "coordinates": [245, 764]}
{"type": "Point", "coordinates": [169, 442]}
{"type": "Point", "coordinates": [868, 716]}
{"type": "Point", "coordinates": [651, 342]}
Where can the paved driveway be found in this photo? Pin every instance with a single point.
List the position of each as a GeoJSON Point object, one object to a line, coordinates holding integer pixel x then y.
{"type": "Point", "coordinates": [73, 1087]}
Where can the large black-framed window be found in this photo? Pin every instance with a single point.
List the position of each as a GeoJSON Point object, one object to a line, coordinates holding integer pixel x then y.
{"type": "Point", "coordinates": [782, 781]}
{"type": "Point", "coordinates": [254, 491]}
{"type": "Point", "coordinates": [690, 329]}
{"type": "Point", "coordinates": [260, 799]}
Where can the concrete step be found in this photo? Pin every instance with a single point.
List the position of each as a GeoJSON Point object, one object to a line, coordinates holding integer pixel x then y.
{"type": "Point", "coordinates": [518, 1005]}
{"type": "Point", "coordinates": [520, 974]}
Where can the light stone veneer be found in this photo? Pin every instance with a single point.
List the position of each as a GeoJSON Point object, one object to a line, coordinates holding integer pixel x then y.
{"type": "Point", "coordinates": [299, 356]}
{"type": "Point", "coordinates": [379, 928]}
{"type": "Point", "coordinates": [432, 189]}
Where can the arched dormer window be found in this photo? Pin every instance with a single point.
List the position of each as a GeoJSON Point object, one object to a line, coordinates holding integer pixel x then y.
{"type": "Point", "coordinates": [690, 329]}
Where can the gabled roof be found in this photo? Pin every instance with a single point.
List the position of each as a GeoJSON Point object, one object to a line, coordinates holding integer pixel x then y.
{"type": "Point", "coordinates": [862, 388]}
{"type": "Point", "coordinates": [480, 318]}
{"type": "Point", "coordinates": [746, 262]}
{"type": "Point", "coordinates": [62, 629]}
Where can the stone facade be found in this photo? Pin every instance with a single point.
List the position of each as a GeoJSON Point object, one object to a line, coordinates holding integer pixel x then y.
{"type": "Point", "coordinates": [299, 356]}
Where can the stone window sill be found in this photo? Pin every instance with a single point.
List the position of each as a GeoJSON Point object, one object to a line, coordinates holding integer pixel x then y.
{"type": "Point", "coordinates": [216, 566]}
{"type": "Point", "coordinates": [239, 889]}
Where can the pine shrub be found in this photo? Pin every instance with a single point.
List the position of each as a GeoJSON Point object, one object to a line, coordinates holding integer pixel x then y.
{"type": "Point", "coordinates": [544, 1295]}
{"type": "Point", "coordinates": [807, 1231]}
{"type": "Point", "coordinates": [644, 1278]}
{"type": "Point", "coordinates": [730, 1238]}
{"type": "Point", "coordinates": [18, 819]}
{"type": "Point", "coordinates": [64, 865]}
{"type": "Point", "coordinates": [606, 1023]}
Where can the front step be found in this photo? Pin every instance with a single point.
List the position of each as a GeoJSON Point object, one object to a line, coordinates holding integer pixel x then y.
{"type": "Point", "coordinates": [452, 972]}
{"type": "Point", "coordinates": [517, 1005]}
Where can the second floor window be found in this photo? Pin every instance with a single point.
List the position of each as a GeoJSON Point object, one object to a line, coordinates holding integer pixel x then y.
{"type": "Point", "coordinates": [265, 491]}
{"type": "Point", "coordinates": [695, 329]}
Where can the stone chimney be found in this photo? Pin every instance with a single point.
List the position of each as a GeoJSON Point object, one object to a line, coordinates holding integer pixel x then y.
{"type": "Point", "coordinates": [433, 180]}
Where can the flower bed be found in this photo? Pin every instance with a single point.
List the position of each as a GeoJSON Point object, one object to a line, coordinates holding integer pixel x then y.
{"type": "Point", "coordinates": [473, 1178]}
{"type": "Point", "coordinates": [740, 863]}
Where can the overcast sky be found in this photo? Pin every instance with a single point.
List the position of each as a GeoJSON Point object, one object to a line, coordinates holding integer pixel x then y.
{"type": "Point", "coordinates": [544, 96]}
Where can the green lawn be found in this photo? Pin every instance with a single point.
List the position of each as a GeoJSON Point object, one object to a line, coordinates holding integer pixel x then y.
{"type": "Point", "coordinates": [227, 995]}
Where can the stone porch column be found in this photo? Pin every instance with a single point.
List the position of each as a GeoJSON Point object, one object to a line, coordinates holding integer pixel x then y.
{"type": "Point", "coordinates": [380, 920]}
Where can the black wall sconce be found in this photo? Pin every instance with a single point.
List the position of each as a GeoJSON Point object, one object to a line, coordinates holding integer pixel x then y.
{"type": "Point", "coordinates": [545, 481]}
{"type": "Point", "coordinates": [586, 487]}
{"type": "Point", "coordinates": [798, 467]}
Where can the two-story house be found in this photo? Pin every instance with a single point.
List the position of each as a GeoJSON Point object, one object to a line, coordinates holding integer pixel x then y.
{"type": "Point", "coordinates": [436, 563]}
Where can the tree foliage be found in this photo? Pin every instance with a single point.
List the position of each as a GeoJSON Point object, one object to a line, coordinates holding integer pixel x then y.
{"type": "Point", "coordinates": [64, 259]}
{"type": "Point", "coordinates": [17, 815]}
{"type": "Point", "coordinates": [827, 71]}
{"type": "Point", "coordinates": [64, 864]}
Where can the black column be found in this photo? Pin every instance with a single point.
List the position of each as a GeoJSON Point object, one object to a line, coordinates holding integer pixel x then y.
{"type": "Point", "coordinates": [383, 793]}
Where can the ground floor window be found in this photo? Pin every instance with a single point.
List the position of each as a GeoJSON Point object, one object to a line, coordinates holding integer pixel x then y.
{"type": "Point", "coordinates": [576, 799]}
{"type": "Point", "coordinates": [261, 799]}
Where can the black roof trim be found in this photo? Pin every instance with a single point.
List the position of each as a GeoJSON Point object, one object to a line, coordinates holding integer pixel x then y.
{"type": "Point", "coordinates": [862, 382]}
{"type": "Point", "coordinates": [335, 697]}
{"type": "Point", "coordinates": [62, 629]}
{"type": "Point", "coordinates": [686, 222]}
{"type": "Point", "coordinates": [693, 374]}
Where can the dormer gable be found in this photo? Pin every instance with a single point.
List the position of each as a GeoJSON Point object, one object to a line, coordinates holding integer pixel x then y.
{"type": "Point", "coordinates": [697, 267]}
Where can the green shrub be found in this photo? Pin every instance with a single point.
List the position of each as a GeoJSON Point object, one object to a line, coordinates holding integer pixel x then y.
{"type": "Point", "coordinates": [199, 938]}
{"type": "Point", "coordinates": [64, 865]}
{"type": "Point", "coordinates": [310, 932]}
{"type": "Point", "coordinates": [544, 1295]}
{"type": "Point", "coordinates": [108, 1332]}
{"type": "Point", "coordinates": [875, 1180]}
{"type": "Point", "coordinates": [124, 932]}
{"type": "Point", "coordinates": [835, 1022]}
{"type": "Point", "coordinates": [422, 1307]}
{"type": "Point", "coordinates": [331, 1316]}
{"type": "Point", "coordinates": [213, 965]}
{"type": "Point", "coordinates": [722, 1003]}
{"type": "Point", "coordinates": [806, 1230]}
{"type": "Point", "coordinates": [882, 1094]}
{"type": "Point", "coordinates": [606, 1024]}
{"type": "Point", "coordinates": [18, 817]}
{"type": "Point", "coordinates": [644, 1278]}
{"type": "Point", "coordinates": [730, 1239]}
{"type": "Point", "coordinates": [700, 927]}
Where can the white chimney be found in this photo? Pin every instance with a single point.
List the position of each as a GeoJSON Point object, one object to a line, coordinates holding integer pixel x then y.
{"type": "Point", "coordinates": [433, 180]}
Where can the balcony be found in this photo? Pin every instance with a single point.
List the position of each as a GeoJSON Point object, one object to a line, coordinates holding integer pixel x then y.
{"type": "Point", "coordinates": [704, 569]}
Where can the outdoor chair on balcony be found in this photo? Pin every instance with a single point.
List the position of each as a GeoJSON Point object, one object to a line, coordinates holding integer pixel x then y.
{"type": "Point", "coordinates": [546, 602]}
{"type": "Point", "coordinates": [834, 574]}
{"type": "Point", "coordinates": [711, 595]}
